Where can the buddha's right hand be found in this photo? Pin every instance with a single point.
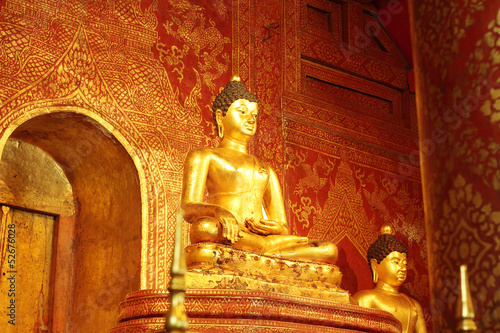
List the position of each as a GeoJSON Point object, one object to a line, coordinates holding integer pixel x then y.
{"type": "Point", "coordinates": [230, 228]}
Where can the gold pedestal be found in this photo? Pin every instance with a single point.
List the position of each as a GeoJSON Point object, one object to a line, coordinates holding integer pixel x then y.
{"type": "Point", "coordinates": [230, 290]}
{"type": "Point", "coordinates": [220, 311]}
{"type": "Point", "coordinates": [222, 267]}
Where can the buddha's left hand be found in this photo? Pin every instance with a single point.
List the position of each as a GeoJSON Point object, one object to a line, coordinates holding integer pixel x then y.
{"type": "Point", "coordinates": [266, 227]}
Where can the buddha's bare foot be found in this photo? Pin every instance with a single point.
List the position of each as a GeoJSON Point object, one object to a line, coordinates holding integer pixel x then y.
{"type": "Point", "coordinates": [275, 243]}
{"type": "Point", "coordinates": [315, 250]}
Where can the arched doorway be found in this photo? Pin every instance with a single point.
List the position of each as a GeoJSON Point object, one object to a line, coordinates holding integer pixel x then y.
{"type": "Point", "coordinates": [96, 252]}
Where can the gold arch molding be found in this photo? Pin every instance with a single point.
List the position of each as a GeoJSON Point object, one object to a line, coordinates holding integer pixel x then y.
{"type": "Point", "coordinates": [108, 130]}
{"type": "Point", "coordinates": [102, 242]}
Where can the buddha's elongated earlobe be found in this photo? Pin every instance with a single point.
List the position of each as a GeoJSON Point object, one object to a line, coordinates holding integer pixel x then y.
{"type": "Point", "coordinates": [220, 126]}
{"type": "Point", "coordinates": [220, 131]}
{"type": "Point", "coordinates": [374, 264]}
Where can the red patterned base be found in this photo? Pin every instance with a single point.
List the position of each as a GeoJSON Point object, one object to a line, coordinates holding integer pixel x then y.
{"type": "Point", "coordinates": [251, 311]}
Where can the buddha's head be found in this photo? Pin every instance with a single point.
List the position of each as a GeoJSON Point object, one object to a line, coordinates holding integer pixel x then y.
{"type": "Point", "coordinates": [234, 97]}
{"type": "Point", "coordinates": [387, 258]}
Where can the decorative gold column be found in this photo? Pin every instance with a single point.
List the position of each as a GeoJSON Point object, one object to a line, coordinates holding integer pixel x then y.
{"type": "Point", "coordinates": [457, 56]}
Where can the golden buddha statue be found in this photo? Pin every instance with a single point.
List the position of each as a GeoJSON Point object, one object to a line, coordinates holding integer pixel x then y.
{"type": "Point", "coordinates": [239, 187]}
{"type": "Point", "coordinates": [387, 259]}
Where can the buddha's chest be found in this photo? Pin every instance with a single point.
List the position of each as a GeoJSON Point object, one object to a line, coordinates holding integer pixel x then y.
{"type": "Point", "coordinates": [402, 308]}
{"type": "Point", "coordinates": [239, 174]}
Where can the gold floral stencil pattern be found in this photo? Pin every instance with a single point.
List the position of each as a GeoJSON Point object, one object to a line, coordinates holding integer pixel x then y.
{"type": "Point", "coordinates": [458, 72]}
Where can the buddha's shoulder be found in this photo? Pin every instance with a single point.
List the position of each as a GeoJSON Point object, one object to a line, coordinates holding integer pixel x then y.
{"type": "Point", "coordinates": [213, 154]}
{"type": "Point", "coordinates": [413, 301]}
{"type": "Point", "coordinates": [365, 293]}
{"type": "Point", "coordinates": [198, 153]}
{"type": "Point", "coordinates": [366, 297]}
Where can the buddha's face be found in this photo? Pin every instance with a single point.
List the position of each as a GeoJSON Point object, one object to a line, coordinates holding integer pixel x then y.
{"type": "Point", "coordinates": [392, 270]}
{"type": "Point", "coordinates": [240, 121]}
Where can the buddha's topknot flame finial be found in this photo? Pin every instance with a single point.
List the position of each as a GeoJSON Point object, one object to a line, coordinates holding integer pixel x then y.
{"type": "Point", "coordinates": [386, 230]}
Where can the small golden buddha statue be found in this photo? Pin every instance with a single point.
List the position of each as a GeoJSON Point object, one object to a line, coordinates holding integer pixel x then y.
{"type": "Point", "coordinates": [387, 259]}
{"type": "Point", "coordinates": [239, 187]}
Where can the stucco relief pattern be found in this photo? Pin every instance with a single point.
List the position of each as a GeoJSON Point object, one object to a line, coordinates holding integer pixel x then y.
{"type": "Point", "coordinates": [462, 165]}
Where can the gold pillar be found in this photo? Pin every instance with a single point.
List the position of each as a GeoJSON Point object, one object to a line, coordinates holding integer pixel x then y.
{"type": "Point", "coordinates": [457, 55]}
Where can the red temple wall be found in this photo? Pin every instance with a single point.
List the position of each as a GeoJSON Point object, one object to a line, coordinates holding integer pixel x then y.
{"type": "Point", "coordinates": [337, 121]}
{"type": "Point", "coordinates": [457, 75]}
